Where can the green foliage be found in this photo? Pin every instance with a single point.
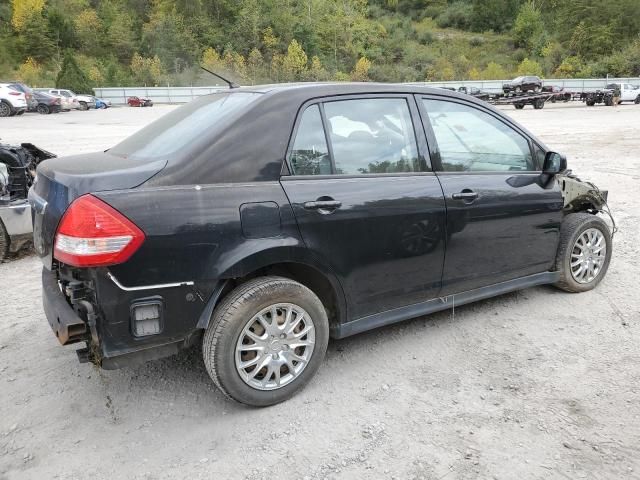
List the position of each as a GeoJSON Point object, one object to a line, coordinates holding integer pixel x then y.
{"type": "Point", "coordinates": [124, 42]}
{"type": "Point", "coordinates": [457, 15]}
{"type": "Point", "coordinates": [529, 67]}
{"type": "Point", "coordinates": [35, 39]}
{"type": "Point", "coordinates": [496, 15]}
{"type": "Point", "coordinates": [71, 77]}
{"type": "Point", "coordinates": [528, 29]}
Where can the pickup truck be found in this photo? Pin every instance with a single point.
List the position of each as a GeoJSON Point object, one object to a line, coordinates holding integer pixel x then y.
{"type": "Point", "coordinates": [628, 92]}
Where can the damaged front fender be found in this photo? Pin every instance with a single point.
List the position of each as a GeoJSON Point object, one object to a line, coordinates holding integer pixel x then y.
{"type": "Point", "coordinates": [580, 196]}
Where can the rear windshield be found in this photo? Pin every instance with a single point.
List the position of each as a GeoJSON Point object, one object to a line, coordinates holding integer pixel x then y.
{"type": "Point", "coordinates": [173, 134]}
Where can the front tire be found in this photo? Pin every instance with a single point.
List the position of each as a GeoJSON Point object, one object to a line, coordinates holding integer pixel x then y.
{"type": "Point", "coordinates": [584, 252]}
{"type": "Point", "coordinates": [266, 340]}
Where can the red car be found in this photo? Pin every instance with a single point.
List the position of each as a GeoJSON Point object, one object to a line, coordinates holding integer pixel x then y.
{"type": "Point", "coordinates": [139, 102]}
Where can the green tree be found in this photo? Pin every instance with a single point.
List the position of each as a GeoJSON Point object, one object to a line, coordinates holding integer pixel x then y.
{"type": "Point", "coordinates": [528, 29]}
{"type": "Point", "coordinates": [496, 15]}
{"type": "Point", "coordinates": [494, 71]}
{"type": "Point", "coordinates": [295, 62]}
{"type": "Point", "coordinates": [72, 77]}
{"type": "Point", "coordinates": [529, 67]}
{"type": "Point", "coordinates": [317, 72]}
{"type": "Point", "coordinates": [35, 38]}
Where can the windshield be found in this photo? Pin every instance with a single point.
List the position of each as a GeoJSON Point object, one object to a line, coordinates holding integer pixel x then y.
{"type": "Point", "coordinates": [177, 130]}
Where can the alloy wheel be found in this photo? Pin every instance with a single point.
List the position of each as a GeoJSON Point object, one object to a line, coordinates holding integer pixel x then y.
{"type": "Point", "coordinates": [275, 346]}
{"type": "Point", "coordinates": [5, 110]}
{"type": "Point", "coordinates": [588, 255]}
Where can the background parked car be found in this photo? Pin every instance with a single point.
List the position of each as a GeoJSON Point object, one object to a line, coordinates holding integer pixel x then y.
{"type": "Point", "coordinates": [46, 103]}
{"type": "Point", "coordinates": [101, 103]}
{"type": "Point", "coordinates": [628, 93]}
{"type": "Point", "coordinates": [77, 102]}
{"type": "Point", "coordinates": [28, 93]}
{"type": "Point", "coordinates": [139, 102]}
{"type": "Point", "coordinates": [475, 92]}
{"type": "Point", "coordinates": [12, 101]}
{"type": "Point", "coordinates": [523, 84]}
{"type": "Point", "coordinates": [86, 101]}
{"type": "Point", "coordinates": [67, 101]}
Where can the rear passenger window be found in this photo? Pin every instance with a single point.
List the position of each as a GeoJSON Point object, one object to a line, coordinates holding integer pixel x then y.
{"type": "Point", "coordinates": [471, 140]}
{"type": "Point", "coordinates": [373, 135]}
{"type": "Point", "coordinates": [310, 155]}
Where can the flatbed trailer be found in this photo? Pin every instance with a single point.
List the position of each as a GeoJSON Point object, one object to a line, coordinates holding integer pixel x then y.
{"type": "Point", "coordinates": [599, 96]}
{"type": "Point", "coordinates": [519, 100]}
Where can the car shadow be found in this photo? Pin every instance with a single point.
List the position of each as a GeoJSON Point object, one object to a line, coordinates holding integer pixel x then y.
{"type": "Point", "coordinates": [185, 376]}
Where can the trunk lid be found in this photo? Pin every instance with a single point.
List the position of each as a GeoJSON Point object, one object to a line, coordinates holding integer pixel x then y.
{"type": "Point", "coordinates": [60, 181]}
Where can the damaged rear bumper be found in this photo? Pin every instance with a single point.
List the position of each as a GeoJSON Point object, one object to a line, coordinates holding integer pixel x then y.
{"type": "Point", "coordinates": [63, 319]}
{"type": "Point", "coordinates": [72, 325]}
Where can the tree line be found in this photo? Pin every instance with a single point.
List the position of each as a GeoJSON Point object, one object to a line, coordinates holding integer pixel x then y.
{"type": "Point", "coordinates": [85, 43]}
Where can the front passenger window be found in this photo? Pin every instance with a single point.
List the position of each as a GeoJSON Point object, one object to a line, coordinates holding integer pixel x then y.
{"type": "Point", "coordinates": [471, 140]}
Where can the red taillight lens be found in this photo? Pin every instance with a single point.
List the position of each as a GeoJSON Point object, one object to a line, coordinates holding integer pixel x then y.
{"type": "Point", "coordinates": [94, 234]}
{"type": "Point", "coordinates": [16, 94]}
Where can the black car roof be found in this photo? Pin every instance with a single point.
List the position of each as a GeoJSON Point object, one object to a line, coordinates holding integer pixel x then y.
{"type": "Point", "coordinates": [309, 90]}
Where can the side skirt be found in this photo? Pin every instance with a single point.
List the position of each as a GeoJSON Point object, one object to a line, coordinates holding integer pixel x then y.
{"type": "Point", "coordinates": [437, 304]}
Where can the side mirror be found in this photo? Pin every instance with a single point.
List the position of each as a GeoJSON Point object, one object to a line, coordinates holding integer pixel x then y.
{"type": "Point", "coordinates": [554, 163]}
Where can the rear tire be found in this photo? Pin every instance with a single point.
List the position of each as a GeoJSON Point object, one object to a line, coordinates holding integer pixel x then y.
{"type": "Point", "coordinates": [235, 324]}
{"type": "Point", "coordinates": [576, 246]}
{"type": "Point", "coordinates": [5, 242]}
{"type": "Point", "coordinates": [5, 109]}
{"type": "Point", "coordinates": [43, 110]}
{"type": "Point", "coordinates": [519, 106]}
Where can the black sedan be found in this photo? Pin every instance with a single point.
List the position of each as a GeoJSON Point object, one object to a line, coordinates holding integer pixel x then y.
{"type": "Point", "coordinates": [259, 222]}
{"type": "Point", "coordinates": [45, 103]}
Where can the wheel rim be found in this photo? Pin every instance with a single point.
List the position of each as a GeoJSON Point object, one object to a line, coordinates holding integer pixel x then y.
{"type": "Point", "coordinates": [588, 255]}
{"type": "Point", "coordinates": [275, 346]}
{"type": "Point", "coordinates": [4, 110]}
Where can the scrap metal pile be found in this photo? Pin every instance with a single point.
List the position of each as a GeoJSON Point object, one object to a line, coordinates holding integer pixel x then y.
{"type": "Point", "coordinates": [17, 174]}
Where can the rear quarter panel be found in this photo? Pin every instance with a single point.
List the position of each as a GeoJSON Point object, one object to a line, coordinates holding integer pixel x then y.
{"type": "Point", "coordinates": [195, 233]}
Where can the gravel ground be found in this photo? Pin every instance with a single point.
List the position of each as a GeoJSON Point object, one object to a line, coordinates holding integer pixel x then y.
{"type": "Point", "coordinates": [536, 384]}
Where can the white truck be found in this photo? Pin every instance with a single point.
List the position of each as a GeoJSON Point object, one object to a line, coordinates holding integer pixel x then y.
{"type": "Point", "coordinates": [628, 92]}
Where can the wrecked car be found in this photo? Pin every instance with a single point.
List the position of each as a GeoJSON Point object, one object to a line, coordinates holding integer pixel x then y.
{"type": "Point", "coordinates": [261, 221]}
{"type": "Point", "coordinates": [17, 171]}
{"type": "Point", "coordinates": [139, 102]}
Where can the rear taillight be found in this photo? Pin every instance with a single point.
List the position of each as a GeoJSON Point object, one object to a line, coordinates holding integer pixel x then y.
{"type": "Point", "coordinates": [15, 94]}
{"type": "Point", "coordinates": [94, 234]}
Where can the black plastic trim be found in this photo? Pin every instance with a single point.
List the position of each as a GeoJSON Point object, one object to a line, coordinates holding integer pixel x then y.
{"type": "Point", "coordinates": [437, 304]}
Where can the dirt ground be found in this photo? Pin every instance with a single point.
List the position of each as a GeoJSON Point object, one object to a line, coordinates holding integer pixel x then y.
{"type": "Point", "coordinates": [537, 384]}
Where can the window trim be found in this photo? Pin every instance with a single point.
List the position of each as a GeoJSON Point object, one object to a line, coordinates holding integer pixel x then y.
{"type": "Point", "coordinates": [414, 116]}
{"type": "Point", "coordinates": [436, 159]}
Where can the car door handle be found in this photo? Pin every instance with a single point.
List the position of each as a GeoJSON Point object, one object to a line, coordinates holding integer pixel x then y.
{"type": "Point", "coordinates": [322, 205]}
{"type": "Point", "coordinates": [466, 195]}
